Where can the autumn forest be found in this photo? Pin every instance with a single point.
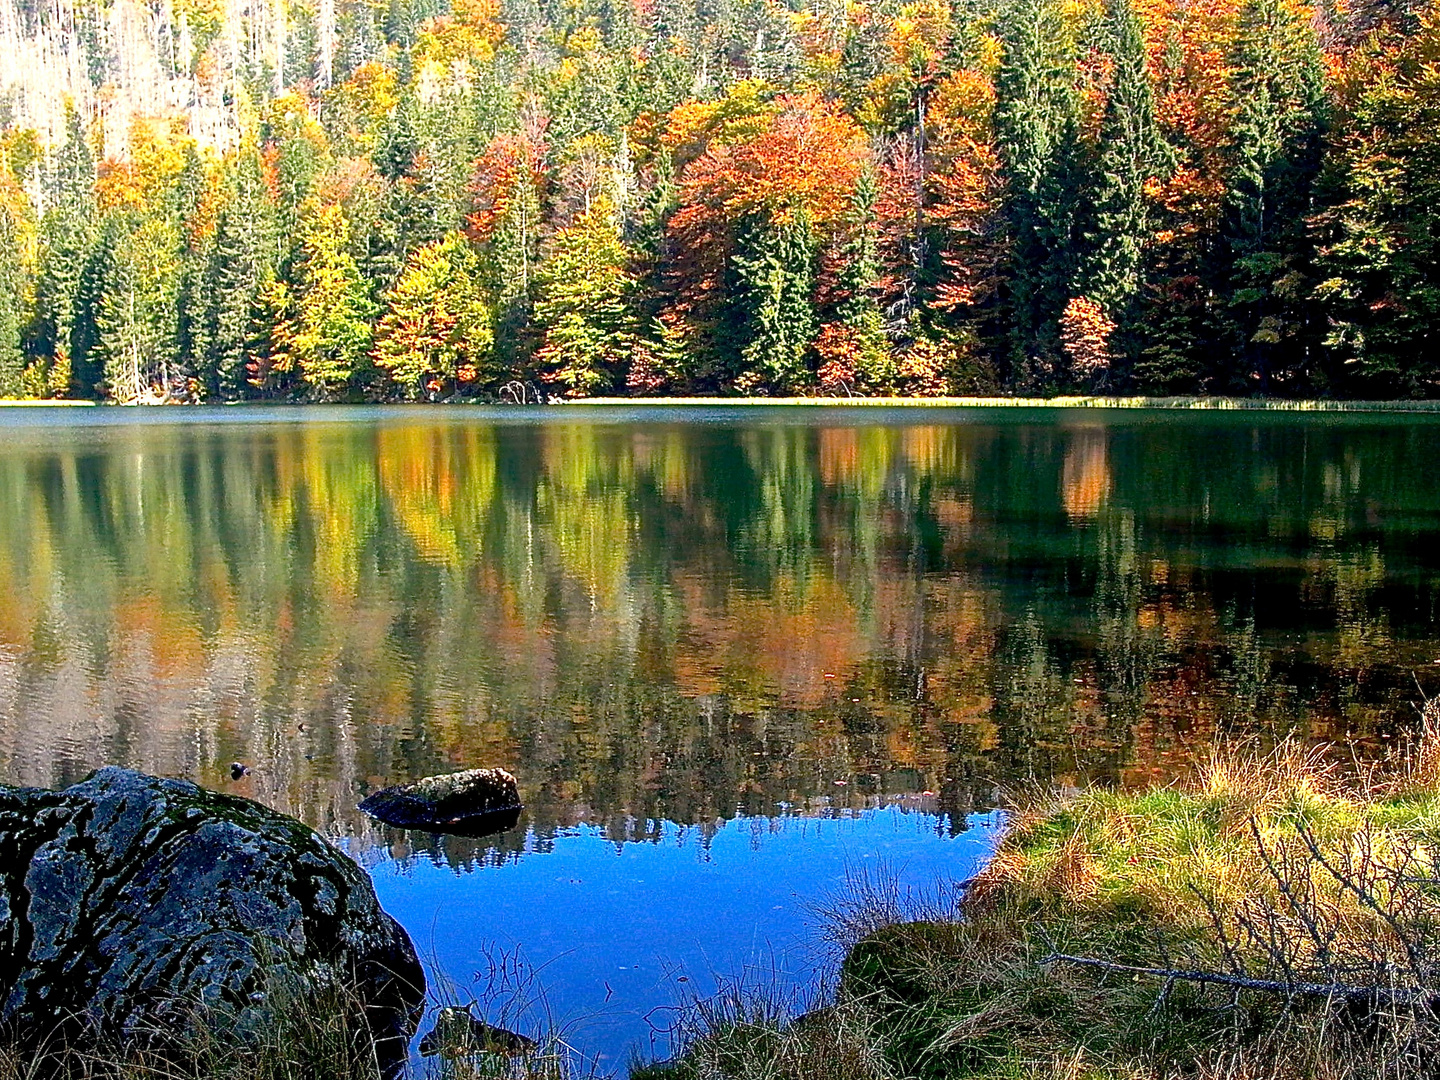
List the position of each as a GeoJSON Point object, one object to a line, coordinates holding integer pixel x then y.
{"type": "Point", "coordinates": [519, 199]}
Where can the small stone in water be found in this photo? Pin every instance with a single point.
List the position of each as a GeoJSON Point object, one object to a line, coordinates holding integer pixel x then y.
{"type": "Point", "coordinates": [238, 771]}
{"type": "Point", "coordinates": [475, 798]}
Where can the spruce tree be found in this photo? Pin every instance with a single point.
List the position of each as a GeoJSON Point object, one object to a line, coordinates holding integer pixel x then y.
{"type": "Point", "coordinates": [87, 364]}
{"type": "Point", "coordinates": [1276, 144]}
{"type": "Point", "coordinates": [775, 261]}
{"type": "Point", "coordinates": [1036, 123]}
{"type": "Point", "coordinates": [136, 323]}
{"type": "Point", "coordinates": [1130, 151]}
{"type": "Point", "coordinates": [12, 359]}
{"type": "Point", "coordinates": [859, 308]}
{"type": "Point", "coordinates": [241, 259]}
{"type": "Point", "coordinates": [68, 241]}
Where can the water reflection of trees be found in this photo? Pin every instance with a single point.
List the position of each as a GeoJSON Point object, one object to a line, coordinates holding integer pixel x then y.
{"type": "Point", "coordinates": [690, 622]}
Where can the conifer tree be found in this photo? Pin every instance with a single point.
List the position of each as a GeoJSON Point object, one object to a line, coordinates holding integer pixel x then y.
{"type": "Point", "coordinates": [1037, 130]}
{"type": "Point", "coordinates": [859, 278]}
{"type": "Point", "coordinates": [1275, 138]}
{"type": "Point", "coordinates": [137, 318]}
{"type": "Point", "coordinates": [68, 238]}
{"type": "Point", "coordinates": [775, 261]}
{"type": "Point", "coordinates": [1130, 151]}
{"type": "Point", "coordinates": [83, 355]}
{"type": "Point", "coordinates": [240, 259]}
{"type": "Point", "coordinates": [12, 359]}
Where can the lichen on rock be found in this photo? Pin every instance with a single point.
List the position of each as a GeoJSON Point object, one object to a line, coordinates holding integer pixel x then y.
{"type": "Point", "coordinates": [127, 901]}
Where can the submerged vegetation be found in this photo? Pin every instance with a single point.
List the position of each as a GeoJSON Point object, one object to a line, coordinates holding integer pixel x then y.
{"type": "Point", "coordinates": [1270, 918]}
{"type": "Point", "coordinates": [504, 198]}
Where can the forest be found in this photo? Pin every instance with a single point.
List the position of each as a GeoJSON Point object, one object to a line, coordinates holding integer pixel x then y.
{"type": "Point", "coordinates": [415, 200]}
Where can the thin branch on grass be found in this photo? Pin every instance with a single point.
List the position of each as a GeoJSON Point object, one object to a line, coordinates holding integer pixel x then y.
{"type": "Point", "coordinates": [1332, 991]}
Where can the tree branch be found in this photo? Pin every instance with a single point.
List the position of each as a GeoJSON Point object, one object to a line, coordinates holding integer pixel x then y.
{"type": "Point", "coordinates": [1244, 982]}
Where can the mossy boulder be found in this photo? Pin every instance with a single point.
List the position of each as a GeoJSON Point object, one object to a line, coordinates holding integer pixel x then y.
{"type": "Point", "coordinates": [130, 905]}
{"type": "Point", "coordinates": [473, 802]}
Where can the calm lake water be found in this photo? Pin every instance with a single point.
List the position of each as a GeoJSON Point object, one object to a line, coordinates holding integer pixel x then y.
{"type": "Point", "coordinates": [732, 655]}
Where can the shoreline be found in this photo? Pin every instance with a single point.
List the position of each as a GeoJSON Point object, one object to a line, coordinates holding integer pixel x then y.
{"type": "Point", "coordinates": [1190, 403]}
{"type": "Point", "coordinates": [1175, 403]}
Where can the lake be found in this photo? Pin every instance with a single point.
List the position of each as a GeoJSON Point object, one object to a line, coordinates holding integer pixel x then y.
{"type": "Point", "coordinates": [736, 657]}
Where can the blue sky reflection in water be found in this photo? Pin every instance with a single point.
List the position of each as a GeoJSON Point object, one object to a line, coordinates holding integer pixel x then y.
{"type": "Point", "coordinates": [622, 932]}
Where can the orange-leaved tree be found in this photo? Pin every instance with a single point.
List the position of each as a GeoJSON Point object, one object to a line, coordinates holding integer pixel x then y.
{"type": "Point", "coordinates": [754, 210]}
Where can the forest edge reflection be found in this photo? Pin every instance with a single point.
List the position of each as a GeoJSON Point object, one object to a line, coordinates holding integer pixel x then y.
{"type": "Point", "coordinates": [695, 620]}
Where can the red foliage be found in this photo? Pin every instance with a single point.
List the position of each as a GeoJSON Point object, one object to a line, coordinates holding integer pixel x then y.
{"type": "Point", "coordinates": [1085, 332]}
{"type": "Point", "coordinates": [645, 375]}
{"type": "Point", "coordinates": [806, 158]}
{"type": "Point", "coordinates": [501, 172]}
{"type": "Point", "coordinates": [839, 358]}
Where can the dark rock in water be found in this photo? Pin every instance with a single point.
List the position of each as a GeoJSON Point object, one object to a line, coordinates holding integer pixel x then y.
{"type": "Point", "coordinates": [238, 771]}
{"type": "Point", "coordinates": [474, 803]}
{"type": "Point", "coordinates": [126, 901]}
{"type": "Point", "coordinates": [458, 1033]}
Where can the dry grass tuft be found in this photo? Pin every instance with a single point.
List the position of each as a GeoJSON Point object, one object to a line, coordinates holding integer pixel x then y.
{"type": "Point", "coordinates": [321, 1037]}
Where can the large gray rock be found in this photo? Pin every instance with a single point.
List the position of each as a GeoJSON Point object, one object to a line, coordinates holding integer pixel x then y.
{"type": "Point", "coordinates": [125, 900]}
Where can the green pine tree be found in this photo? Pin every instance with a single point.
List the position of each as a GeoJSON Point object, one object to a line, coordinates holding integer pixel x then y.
{"type": "Point", "coordinates": [12, 358]}
{"type": "Point", "coordinates": [775, 262]}
{"type": "Point", "coordinates": [1036, 121]}
{"type": "Point", "coordinates": [69, 236]}
{"type": "Point", "coordinates": [859, 307]}
{"type": "Point", "coordinates": [240, 259]}
{"type": "Point", "coordinates": [87, 363]}
{"type": "Point", "coordinates": [1130, 151]}
{"type": "Point", "coordinates": [1276, 139]}
{"type": "Point", "coordinates": [137, 316]}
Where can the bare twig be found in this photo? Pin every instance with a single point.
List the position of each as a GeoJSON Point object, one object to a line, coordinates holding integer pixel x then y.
{"type": "Point", "coordinates": [1333, 991]}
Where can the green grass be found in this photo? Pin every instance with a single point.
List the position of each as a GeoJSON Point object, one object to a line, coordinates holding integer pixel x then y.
{"type": "Point", "coordinates": [1064, 401]}
{"type": "Point", "coordinates": [1273, 869]}
{"type": "Point", "coordinates": [319, 1036]}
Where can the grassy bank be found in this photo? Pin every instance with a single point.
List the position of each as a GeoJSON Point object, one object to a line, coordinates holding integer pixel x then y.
{"type": "Point", "coordinates": [317, 1037]}
{"type": "Point", "coordinates": [1268, 919]}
